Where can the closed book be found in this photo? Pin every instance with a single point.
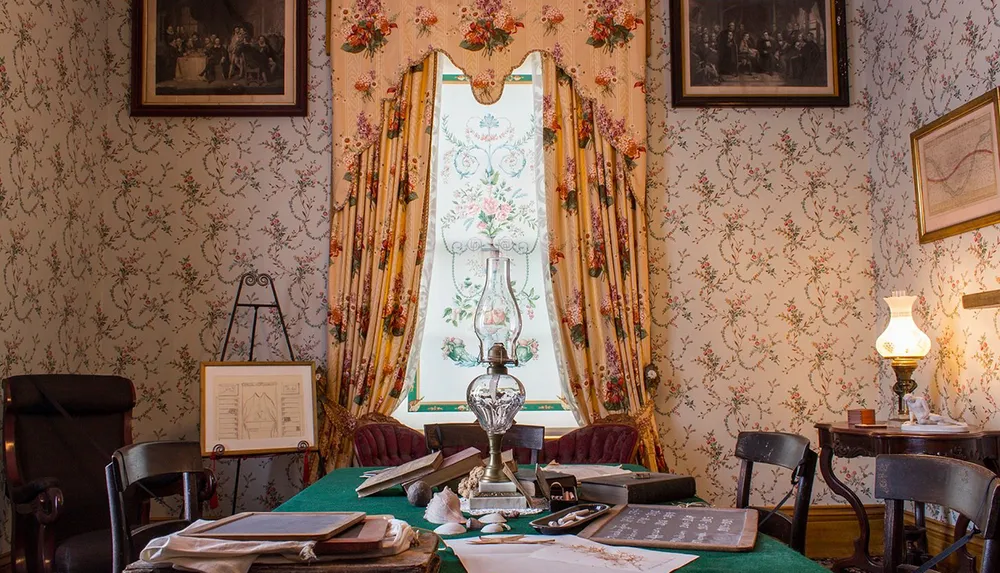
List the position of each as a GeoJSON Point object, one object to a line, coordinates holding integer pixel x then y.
{"type": "Point", "coordinates": [637, 487]}
{"type": "Point", "coordinates": [410, 471]}
{"type": "Point", "coordinates": [454, 466]}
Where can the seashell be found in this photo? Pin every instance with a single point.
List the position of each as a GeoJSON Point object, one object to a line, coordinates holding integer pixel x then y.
{"type": "Point", "coordinates": [419, 494]}
{"type": "Point", "coordinates": [496, 528]}
{"type": "Point", "coordinates": [473, 523]}
{"type": "Point", "coordinates": [493, 518]}
{"type": "Point", "coordinates": [444, 507]}
{"type": "Point", "coordinates": [450, 529]}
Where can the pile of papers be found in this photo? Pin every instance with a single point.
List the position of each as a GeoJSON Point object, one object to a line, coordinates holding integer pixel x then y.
{"type": "Point", "coordinates": [562, 554]}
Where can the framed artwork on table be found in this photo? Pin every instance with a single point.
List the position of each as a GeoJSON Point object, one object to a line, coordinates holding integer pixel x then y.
{"type": "Point", "coordinates": [219, 58]}
{"type": "Point", "coordinates": [773, 53]}
{"type": "Point", "coordinates": [257, 407]}
{"type": "Point", "coordinates": [956, 169]}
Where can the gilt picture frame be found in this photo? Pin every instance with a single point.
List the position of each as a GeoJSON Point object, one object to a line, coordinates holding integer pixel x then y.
{"type": "Point", "coordinates": [762, 53]}
{"type": "Point", "coordinates": [956, 169]}
{"type": "Point", "coordinates": [219, 58]}
{"type": "Point", "coordinates": [258, 408]}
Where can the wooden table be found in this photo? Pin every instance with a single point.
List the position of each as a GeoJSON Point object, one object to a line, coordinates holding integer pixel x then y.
{"type": "Point", "coordinates": [845, 441]}
{"type": "Point", "coordinates": [335, 492]}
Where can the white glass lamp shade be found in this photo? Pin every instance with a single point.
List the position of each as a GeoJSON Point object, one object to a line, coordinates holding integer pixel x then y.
{"type": "Point", "coordinates": [497, 318]}
{"type": "Point", "coordinates": [495, 399]}
{"type": "Point", "coordinates": [902, 338]}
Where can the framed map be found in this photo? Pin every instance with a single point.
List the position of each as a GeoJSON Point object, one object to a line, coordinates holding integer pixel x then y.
{"type": "Point", "coordinates": [956, 169]}
{"type": "Point", "coordinates": [257, 407]}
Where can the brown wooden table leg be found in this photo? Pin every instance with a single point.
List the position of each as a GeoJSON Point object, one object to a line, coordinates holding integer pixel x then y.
{"type": "Point", "coordinates": [861, 558]}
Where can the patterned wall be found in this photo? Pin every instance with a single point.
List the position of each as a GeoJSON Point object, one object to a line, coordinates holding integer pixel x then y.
{"type": "Point", "coordinates": [923, 60]}
{"type": "Point", "coordinates": [50, 184]}
{"type": "Point", "coordinates": [122, 238]}
{"type": "Point", "coordinates": [761, 261]}
{"type": "Point", "coordinates": [773, 232]}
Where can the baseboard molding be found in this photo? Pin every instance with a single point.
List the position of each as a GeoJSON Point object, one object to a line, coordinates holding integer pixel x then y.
{"type": "Point", "coordinates": [833, 529]}
{"type": "Point", "coordinates": [941, 535]}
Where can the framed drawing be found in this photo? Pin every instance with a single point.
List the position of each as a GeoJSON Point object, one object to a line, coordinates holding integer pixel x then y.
{"type": "Point", "coordinates": [257, 407]}
{"type": "Point", "coordinates": [759, 53]}
{"type": "Point", "coordinates": [217, 57]}
{"type": "Point", "coordinates": [956, 169]}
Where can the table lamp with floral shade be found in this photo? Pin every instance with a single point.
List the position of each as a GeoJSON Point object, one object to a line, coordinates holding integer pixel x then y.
{"type": "Point", "coordinates": [904, 344]}
{"type": "Point", "coordinates": [496, 397]}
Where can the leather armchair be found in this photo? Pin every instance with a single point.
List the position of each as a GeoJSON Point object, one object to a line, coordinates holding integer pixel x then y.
{"type": "Point", "coordinates": [59, 431]}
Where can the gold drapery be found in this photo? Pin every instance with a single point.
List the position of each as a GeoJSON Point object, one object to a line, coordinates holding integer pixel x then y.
{"type": "Point", "coordinates": [377, 241]}
{"type": "Point", "coordinates": [598, 260]}
{"type": "Point", "coordinates": [601, 44]}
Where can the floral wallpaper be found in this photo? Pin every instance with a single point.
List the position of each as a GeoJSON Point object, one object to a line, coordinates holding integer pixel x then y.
{"type": "Point", "coordinates": [123, 238]}
{"type": "Point", "coordinates": [923, 60]}
{"type": "Point", "coordinates": [775, 232]}
{"type": "Point", "coordinates": [762, 275]}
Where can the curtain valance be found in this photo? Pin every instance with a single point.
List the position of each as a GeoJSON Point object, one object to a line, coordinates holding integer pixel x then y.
{"type": "Point", "coordinates": [601, 44]}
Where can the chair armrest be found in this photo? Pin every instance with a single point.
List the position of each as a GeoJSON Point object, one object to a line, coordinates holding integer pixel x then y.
{"type": "Point", "coordinates": [27, 492]}
{"type": "Point", "coordinates": [208, 486]}
{"type": "Point", "coordinates": [41, 498]}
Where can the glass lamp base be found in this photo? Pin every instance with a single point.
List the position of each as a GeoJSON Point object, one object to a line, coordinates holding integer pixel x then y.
{"type": "Point", "coordinates": [500, 500]}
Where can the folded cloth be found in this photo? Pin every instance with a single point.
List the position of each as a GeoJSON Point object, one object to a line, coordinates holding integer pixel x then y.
{"type": "Point", "coordinates": [219, 555]}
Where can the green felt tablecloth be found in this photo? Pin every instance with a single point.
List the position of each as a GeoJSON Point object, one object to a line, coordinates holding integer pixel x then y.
{"type": "Point", "coordinates": [335, 492]}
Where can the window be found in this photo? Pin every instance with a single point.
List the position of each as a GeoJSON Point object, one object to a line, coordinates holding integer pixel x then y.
{"type": "Point", "coordinates": [487, 182]}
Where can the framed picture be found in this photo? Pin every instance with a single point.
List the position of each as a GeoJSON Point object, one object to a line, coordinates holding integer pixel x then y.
{"type": "Point", "coordinates": [257, 407]}
{"type": "Point", "coordinates": [759, 53]}
{"type": "Point", "coordinates": [219, 57]}
{"type": "Point", "coordinates": [956, 169]}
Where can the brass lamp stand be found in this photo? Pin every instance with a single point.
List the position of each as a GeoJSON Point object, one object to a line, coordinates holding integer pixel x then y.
{"type": "Point", "coordinates": [903, 367]}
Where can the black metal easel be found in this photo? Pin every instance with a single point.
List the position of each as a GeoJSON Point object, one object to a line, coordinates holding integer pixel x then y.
{"type": "Point", "coordinates": [250, 279]}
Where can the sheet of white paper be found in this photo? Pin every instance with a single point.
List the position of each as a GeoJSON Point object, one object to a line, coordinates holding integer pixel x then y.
{"type": "Point", "coordinates": [567, 554]}
{"type": "Point", "coordinates": [585, 471]}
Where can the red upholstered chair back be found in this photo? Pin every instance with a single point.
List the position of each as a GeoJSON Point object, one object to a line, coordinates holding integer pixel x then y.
{"type": "Point", "coordinates": [597, 444]}
{"type": "Point", "coordinates": [387, 444]}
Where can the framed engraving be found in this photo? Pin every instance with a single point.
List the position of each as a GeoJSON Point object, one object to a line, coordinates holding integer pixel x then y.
{"type": "Point", "coordinates": [956, 169]}
{"type": "Point", "coordinates": [257, 407]}
{"type": "Point", "coordinates": [216, 57]}
{"type": "Point", "coordinates": [759, 53]}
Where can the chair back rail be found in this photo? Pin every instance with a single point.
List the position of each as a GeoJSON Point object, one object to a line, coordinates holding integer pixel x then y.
{"type": "Point", "coordinates": [139, 472]}
{"type": "Point", "coordinates": [527, 441]}
{"type": "Point", "coordinates": [969, 489]}
{"type": "Point", "coordinates": [785, 450]}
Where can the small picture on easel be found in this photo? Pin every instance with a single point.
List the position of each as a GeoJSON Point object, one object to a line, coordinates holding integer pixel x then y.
{"type": "Point", "coordinates": [257, 407]}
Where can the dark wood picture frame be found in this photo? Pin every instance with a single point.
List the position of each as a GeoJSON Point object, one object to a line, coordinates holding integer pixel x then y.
{"type": "Point", "coordinates": [834, 93]}
{"type": "Point", "coordinates": [291, 102]}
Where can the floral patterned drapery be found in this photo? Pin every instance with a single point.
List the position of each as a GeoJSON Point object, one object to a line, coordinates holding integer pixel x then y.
{"type": "Point", "coordinates": [377, 242]}
{"type": "Point", "coordinates": [601, 44]}
{"type": "Point", "coordinates": [598, 261]}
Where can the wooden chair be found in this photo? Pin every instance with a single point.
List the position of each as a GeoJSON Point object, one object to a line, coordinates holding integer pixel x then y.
{"type": "Point", "coordinates": [527, 441]}
{"type": "Point", "coordinates": [594, 444]}
{"type": "Point", "coordinates": [380, 440]}
{"type": "Point", "coordinates": [969, 489]}
{"type": "Point", "coordinates": [141, 472]}
{"type": "Point", "coordinates": [59, 431]}
{"type": "Point", "coordinates": [788, 451]}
